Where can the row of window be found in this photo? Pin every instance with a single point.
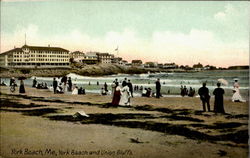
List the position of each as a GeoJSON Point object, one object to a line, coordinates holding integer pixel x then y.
{"type": "Point", "coordinates": [48, 52]}
{"type": "Point", "coordinates": [20, 53]}
{"type": "Point", "coordinates": [37, 64]}
{"type": "Point", "coordinates": [43, 60]}
{"type": "Point", "coordinates": [58, 56]}
{"type": "Point", "coordinates": [21, 56]}
{"type": "Point", "coordinates": [78, 56]}
{"type": "Point", "coordinates": [90, 58]}
{"type": "Point", "coordinates": [106, 62]}
{"type": "Point", "coordinates": [102, 57]}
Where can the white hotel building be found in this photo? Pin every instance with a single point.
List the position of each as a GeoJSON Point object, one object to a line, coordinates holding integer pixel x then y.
{"type": "Point", "coordinates": [35, 56]}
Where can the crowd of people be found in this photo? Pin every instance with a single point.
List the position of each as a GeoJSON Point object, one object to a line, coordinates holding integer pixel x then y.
{"type": "Point", "coordinates": [64, 84]}
{"type": "Point", "coordinates": [122, 91]}
{"type": "Point", "coordinates": [186, 92]}
{"type": "Point", "coordinates": [41, 85]}
{"type": "Point", "coordinates": [218, 97]}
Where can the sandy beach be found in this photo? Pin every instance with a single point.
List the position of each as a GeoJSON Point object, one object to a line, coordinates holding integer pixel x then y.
{"type": "Point", "coordinates": [41, 124]}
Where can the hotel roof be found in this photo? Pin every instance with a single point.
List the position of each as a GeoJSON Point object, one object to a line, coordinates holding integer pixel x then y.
{"type": "Point", "coordinates": [45, 48]}
{"type": "Point", "coordinates": [12, 50]}
{"type": "Point", "coordinates": [35, 48]}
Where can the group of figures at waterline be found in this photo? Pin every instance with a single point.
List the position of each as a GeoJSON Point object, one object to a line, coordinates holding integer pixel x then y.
{"type": "Point", "coordinates": [122, 90]}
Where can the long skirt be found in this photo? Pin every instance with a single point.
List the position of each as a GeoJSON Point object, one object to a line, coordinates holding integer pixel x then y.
{"type": "Point", "coordinates": [116, 98]}
{"type": "Point", "coordinates": [125, 99]}
{"type": "Point", "coordinates": [75, 91]}
{"type": "Point", "coordinates": [21, 89]}
{"type": "Point", "coordinates": [218, 104]}
{"type": "Point", "coordinates": [237, 97]}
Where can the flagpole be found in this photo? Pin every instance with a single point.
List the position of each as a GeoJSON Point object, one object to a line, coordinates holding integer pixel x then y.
{"type": "Point", "coordinates": [117, 51]}
{"type": "Point", "coordinates": [25, 38]}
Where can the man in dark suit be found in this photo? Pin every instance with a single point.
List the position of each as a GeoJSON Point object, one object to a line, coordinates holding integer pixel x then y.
{"type": "Point", "coordinates": [204, 96]}
{"type": "Point", "coordinates": [54, 84]}
{"type": "Point", "coordinates": [116, 82]}
{"type": "Point", "coordinates": [130, 86]}
{"type": "Point", "coordinates": [124, 82]}
{"type": "Point", "coordinates": [158, 88]}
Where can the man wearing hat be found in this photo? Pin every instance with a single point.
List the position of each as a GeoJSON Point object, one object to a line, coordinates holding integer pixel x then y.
{"type": "Point", "coordinates": [204, 96]}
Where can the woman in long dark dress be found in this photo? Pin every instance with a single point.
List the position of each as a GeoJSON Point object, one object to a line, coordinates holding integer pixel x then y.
{"type": "Point", "coordinates": [218, 101]}
{"type": "Point", "coordinates": [34, 82]}
{"type": "Point", "coordinates": [105, 87]}
{"type": "Point", "coordinates": [70, 84]}
{"type": "Point", "coordinates": [21, 88]}
{"type": "Point", "coordinates": [116, 97]}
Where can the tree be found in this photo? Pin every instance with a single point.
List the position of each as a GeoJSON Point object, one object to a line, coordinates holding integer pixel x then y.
{"type": "Point", "coordinates": [199, 65]}
{"type": "Point", "coordinates": [182, 67]}
{"type": "Point", "coordinates": [71, 60]}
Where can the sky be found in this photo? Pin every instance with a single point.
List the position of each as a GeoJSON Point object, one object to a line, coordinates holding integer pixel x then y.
{"type": "Point", "coordinates": [184, 32]}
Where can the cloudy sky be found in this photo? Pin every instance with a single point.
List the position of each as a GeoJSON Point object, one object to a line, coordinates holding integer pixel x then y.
{"type": "Point", "coordinates": [215, 33]}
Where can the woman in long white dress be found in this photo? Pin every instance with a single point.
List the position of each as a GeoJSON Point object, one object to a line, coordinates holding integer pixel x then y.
{"type": "Point", "coordinates": [125, 96]}
{"type": "Point", "coordinates": [75, 90]}
{"type": "Point", "coordinates": [236, 96]}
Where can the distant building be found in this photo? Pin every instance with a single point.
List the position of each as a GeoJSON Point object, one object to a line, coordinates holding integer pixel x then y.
{"type": "Point", "coordinates": [136, 63]}
{"type": "Point", "coordinates": [91, 55]}
{"type": "Point", "coordinates": [100, 57]}
{"type": "Point", "coordinates": [116, 60]}
{"type": "Point", "coordinates": [128, 64]}
{"type": "Point", "coordinates": [88, 61]}
{"type": "Point", "coordinates": [188, 67]}
{"type": "Point", "coordinates": [160, 66]}
{"type": "Point", "coordinates": [105, 57]}
{"type": "Point", "coordinates": [89, 58]}
{"type": "Point", "coordinates": [207, 67]}
{"type": "Point", "coordinates": [35, 56]}
{"type": "Point", "coordinates": [150, 64]}
{"type": "Point", "coordinates": [95, 58]}
{"type": "Point", "coordinates": [170, 66]}
{"type": "Point", "coordinates": [124, 63]}
{"type": "Point", "coordinates": [77, 54]}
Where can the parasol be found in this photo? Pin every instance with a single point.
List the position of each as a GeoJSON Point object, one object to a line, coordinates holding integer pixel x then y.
{"type": "Point", "coordinates": [236, 79]}
{"type": "Point", "coordinates": [223, 81]}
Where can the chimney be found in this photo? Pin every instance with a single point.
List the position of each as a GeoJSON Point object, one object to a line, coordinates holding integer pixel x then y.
{"type": "Point", "coordinates": [49, 45]}
{"type": "Point", "coordinates": [14, 47]}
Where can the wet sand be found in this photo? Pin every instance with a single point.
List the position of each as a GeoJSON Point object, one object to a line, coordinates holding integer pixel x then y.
{"type": "Point", "coordinates": [40, 124]}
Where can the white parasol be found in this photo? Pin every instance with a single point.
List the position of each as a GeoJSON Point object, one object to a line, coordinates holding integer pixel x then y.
{"type": "Point", "coordinates": [223, 81]}
{"type": "Point", "coordinates": [236, 79]}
